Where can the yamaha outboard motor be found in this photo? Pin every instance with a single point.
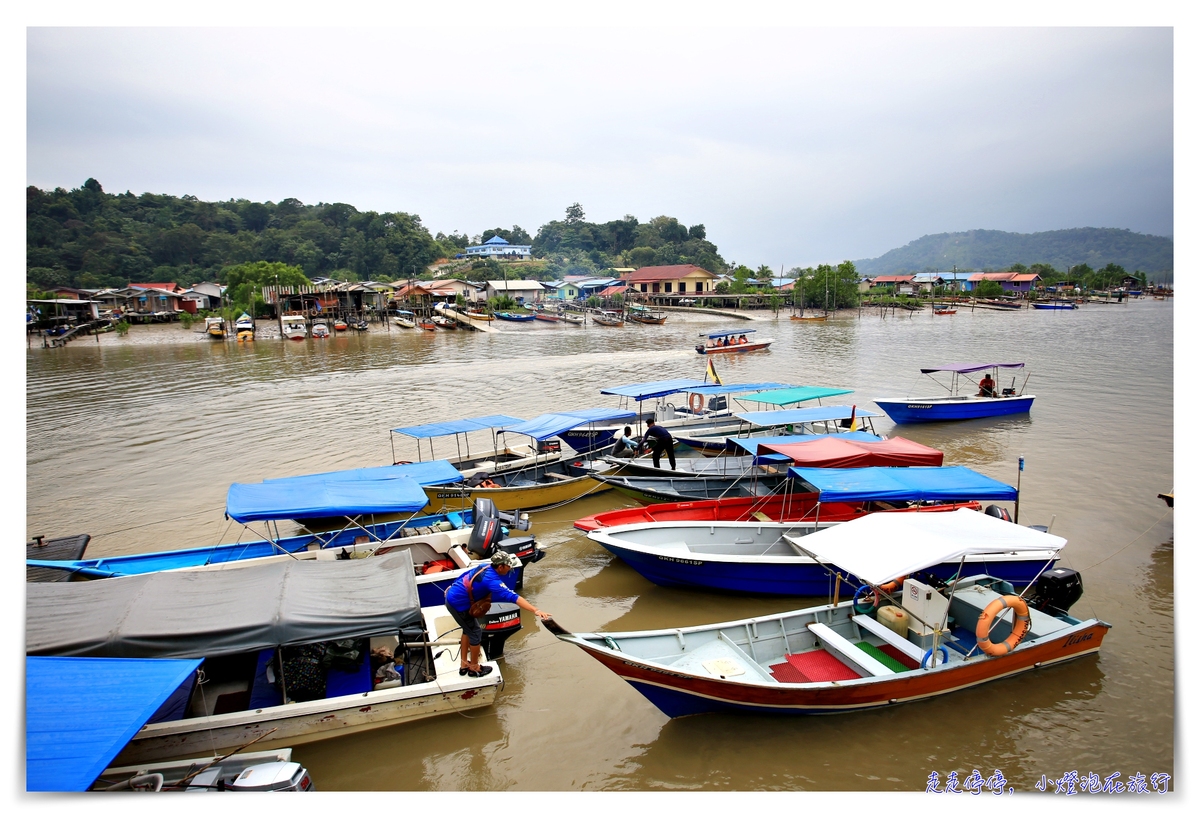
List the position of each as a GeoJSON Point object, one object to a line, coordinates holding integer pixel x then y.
{"type": "Point", "coordinates": [1056, 591]}
{"type": "Point", "coordinates": [502, 620]}
{"type": "Point", "coordinates": [998, 512]}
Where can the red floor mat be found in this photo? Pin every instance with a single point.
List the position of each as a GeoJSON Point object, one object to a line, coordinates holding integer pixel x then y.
{"type": "Point", "coordinates": [900, 656]}
{"type": "Point", "coordinates": [812, 666]}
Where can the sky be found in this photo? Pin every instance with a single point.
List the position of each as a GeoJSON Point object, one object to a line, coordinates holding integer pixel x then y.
{"type": "Point", "coordinates": [791, 144]}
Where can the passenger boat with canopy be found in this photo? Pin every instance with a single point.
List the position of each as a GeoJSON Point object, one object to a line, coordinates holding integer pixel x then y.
{"type": "Point", "coordinates": [538, 486]}
{"type": "Point", "coordinates": [341, 507]}
{"type": "Point", "coordinates": [644, 315]}
{"type": "Point", "coordinates": [404, 318]}
{"type": "Point", "coordinates": [957, 406]}
{"type": "Point", "coordinates": [935, 637]}
{"type": "Point", "coordinates": [707, 409]}
{"type": "Point", "coordinates": [814, 420]}
{"type": "Point", "coordinates": [260, 633]}
{"type": "Point", "coordinates": [731, 340]}
{"type": "Point", "coordinates": [497, 458]}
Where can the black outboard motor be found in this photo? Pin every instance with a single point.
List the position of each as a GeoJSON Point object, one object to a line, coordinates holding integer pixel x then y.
{"type": "Point", "coordinates": [998, 512]}
{"type": "Point", "coordinates": [487, 530]}
{"type": "Point", "coordinates": [1056, 591]}
{"type": "Point", "coordinates": [502, 620]}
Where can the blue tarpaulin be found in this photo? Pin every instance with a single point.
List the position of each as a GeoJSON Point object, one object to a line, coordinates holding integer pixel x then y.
{"type": "Point", "coordinates": [653, 389]}
{"type": "Point", "coordinates": [554, 423]}
{"type": "Point", "coordinates": [750, 444]}
{"type": "Point", "coordinates": [721, 333]}
{"type": "Point", "coordinates": [734, 388]}
{"type": "Point", "coordinates": [457, 427]}
{"type": "Point", "coordinates": [427, 473]}
{"type": "Point", "coordinates": [795, 394]}
{"type": "Point", "coordinates": [304, 498]}
{"type": "Point", "coordinates": [901, 484]}
{"type": "Point", "coordinates": [815, 414]}
{"type": "Point", "coordinates": [81, 712]}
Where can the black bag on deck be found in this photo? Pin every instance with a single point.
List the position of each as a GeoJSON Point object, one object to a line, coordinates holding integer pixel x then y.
{"type": "Point", "coordinates": [345, 655]}
{"type": "Point", "coordinates": [304, 672]}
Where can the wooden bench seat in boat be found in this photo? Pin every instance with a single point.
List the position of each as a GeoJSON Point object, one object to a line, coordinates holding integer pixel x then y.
{"type": "Point", "coordinates": [554, 475]}
{"type": "Point", "coordinates": [847, 651]}
{"type": "Point", "coordinates": [889, 636]}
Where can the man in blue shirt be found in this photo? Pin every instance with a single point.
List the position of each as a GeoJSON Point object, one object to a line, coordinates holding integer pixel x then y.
{"type": "Point", "coordinates": [625, 445]}
{"type": "Point", "coordinates": [483, 582]}
{"type": "Point", "coordinates": [660, 441]}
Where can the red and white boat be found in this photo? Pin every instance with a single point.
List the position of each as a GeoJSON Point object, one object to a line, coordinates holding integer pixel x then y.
{"type": "Point", "coordinates": [730, 340]}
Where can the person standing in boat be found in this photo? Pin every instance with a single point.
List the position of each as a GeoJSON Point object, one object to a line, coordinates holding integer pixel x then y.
{"type": "Point", "coordinates": [987, 387]}
{"type": "Point", "coordinates": [478, 586]}
{"type": "Point", "coordinates": [660, 442]}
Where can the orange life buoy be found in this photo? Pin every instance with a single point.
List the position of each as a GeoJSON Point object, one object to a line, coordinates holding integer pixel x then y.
{"type": "Point", "coordinates": [696, 402]}
{"type": "Point", "coordinates": [1019, 629]}
{"type": "Point", "coordinates": [894, 585]}
{"type": "Point", "coordinates": [402, 463]}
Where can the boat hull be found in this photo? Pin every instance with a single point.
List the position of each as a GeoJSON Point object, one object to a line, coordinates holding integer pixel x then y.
{"type": "Point", "coordinates": [751, 347]}
{"type": "Point", "coordinates": [928, 410]}
{"type": "Point", "coordinates": [679, 694]}
{"type": "Point", "coordinates": [513, 498]}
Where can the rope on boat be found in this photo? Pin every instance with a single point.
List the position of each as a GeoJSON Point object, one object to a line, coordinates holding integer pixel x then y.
{"type": "Point", "coordinates": [1126, 545]}
{"type": "Point", "coordinates": [160, 522]}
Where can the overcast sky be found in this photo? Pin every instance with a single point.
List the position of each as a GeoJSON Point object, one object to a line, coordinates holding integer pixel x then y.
{"type": "Point", "coordinates": [793, 146]}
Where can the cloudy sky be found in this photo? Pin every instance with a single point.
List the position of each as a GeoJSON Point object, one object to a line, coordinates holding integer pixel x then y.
{"type": "Point", "coordinates": [792, 145]}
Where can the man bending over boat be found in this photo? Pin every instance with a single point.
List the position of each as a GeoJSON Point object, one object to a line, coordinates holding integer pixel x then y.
{"type": "Point", "coordinates": [660, 442]}
{"type": "Point", "coordinates": [479, 587]}
{"type": "Point", "coordinates": [987, 387]}
{"type": "Point", "coordinates": [625, 446]}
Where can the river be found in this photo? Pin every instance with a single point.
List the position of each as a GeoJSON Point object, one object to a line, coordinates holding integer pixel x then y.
{"type": "Point", "coordinates": [136, 440]}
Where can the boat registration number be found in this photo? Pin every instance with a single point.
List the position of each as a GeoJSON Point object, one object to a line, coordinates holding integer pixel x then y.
{"type": "Point", "coordinates": [920, 406]}
{"type": "Point", "coordinates": [681, 560]}
{"type": "Point", "coordinates": [445, 495]}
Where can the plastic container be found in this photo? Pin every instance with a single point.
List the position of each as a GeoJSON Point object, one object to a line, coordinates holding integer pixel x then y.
{"type": "Point", "coordinates": [896, 619]}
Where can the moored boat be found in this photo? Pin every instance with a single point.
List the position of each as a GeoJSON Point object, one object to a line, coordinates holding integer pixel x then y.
{"type": "Point", "coordinates": [478, 315]}
{"type": "Point", "coordinates": [244, 327]}
{"type": "Point", "coordinates": [644, 315]}
{"type": "Point", "coordinates": [261, 633]}
{"type": "Point", "coordinates": [320, 330]}
{"type": "Point", "coordinates": [340, 326]}
{"type": "Point", "coordinates": [498, 458]}
{"type": "Point", "coordinates": [955, 406]}
{"type": "Point", "coordinates": [404, 318]}
{"type": "Point", "coordinates": [936, 637]}
{"type": "Point", "coordinates": [427, 324]}
{"type": "Point", "coordinates": [516, 316]}
{"type": "Point", "coordinates": [774, 423]}
{"type": "Point", "coordinates": [545, 315]}
{"type": "Point", "coordinates": [294, 326]}
{"type": "Point", "coordinates": [214, 326]}
{"type": "Point", "coordinates": [608, 319]}
{"type": "Point", "coordinates": [571, 318]}
{"type": "Point", "coordinates": [444, 322]}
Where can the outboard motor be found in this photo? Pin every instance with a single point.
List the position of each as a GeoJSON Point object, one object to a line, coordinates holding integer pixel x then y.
{"type": "Point", "coordinates": [998, 512]}
{"type": "Point", "coordinates": [1056, 591]}
{"type": "Point", "coordinates": [487, 530]}
{"type": "Point", "coordinates": [717, 403]}
{"type": "Point", "coordinates": [502, 620]}
{"type": "Point", "coordinates": [276, 776]}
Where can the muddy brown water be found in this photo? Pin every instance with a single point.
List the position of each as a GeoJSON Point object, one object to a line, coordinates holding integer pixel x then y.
{"type": "Point", "coordinates": [136, 440]}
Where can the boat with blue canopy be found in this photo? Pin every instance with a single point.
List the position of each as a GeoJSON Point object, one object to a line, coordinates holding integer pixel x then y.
{"type": "Point", "coordinates": [538, 486]}
{"type": "Point", "coordinates": [731, 340]}
{"type": "Point", "coordinates": [493, 459]}
{"type": "Point", "coordinates": [992, 399]}
{"type": "Point", "coordinates": [707, 407]}
{"type": "Point", "coordinates": [755, 556]}
{"type": "Point", "coordinates": [814, 420]}
{"type": "Point", "coordinates": [443, 546]}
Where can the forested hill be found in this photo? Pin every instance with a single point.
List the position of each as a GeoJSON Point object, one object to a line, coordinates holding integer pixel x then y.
{"type": "Point", "coordinates": [88, 238]}
{"type": "Point", "coordinates": [997, 250]}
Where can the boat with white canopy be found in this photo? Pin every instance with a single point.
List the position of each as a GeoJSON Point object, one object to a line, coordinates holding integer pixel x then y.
{"type": "Point", "coordinates": [934, 637]}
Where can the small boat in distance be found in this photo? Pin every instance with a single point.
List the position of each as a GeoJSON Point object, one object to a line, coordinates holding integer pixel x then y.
{"type": "Point", "coordinates": [340, 326]}
{"type": "Point", "coordinates": [933, 637]}
{"type": "Point", "coordinates": [1055, 305]}
{"type": "Point", "coordinates": [294, 326]}
{"type": "Point", "coordinates": [1002, 401]}
{"type": "Point", "coordinates": [320, 330]}
{"type": "Point", "coordinates": [730, 340]}
{"type": "Point", "coordinates": [427, 325]}
{"type": "Point", "coordinates": [444, 322]}
{"type": "Point", "coordinates": [570, 318]}
{"type": "Point", "coordinates": [608, 319]}
{"type": "Point", "coordinates": [943, 309]}
{"type": "Point", "coordinates": [644, 315]}
{"type": "Point", "coordinates": [478, 316]}
{"type": "Point", "coordinates": [215, 327]}
{"type": "Point", "coordinates": [545, 315]}
{"type": "Point", "coordinates": [404, 318]}
{"type": "Point", "coordinates": [244, 327]}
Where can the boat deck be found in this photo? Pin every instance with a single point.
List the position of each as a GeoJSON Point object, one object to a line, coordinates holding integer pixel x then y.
{"type": "Point", "coordinates": [59, 548]}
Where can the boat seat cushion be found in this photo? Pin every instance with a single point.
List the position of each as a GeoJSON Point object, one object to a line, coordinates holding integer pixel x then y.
{"type": "Point", "coordinates": [346, 683]}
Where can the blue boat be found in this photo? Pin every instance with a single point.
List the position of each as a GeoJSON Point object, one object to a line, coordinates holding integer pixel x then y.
{"type": "Point", "coordinates": [1002, 400]}
{"type": "Point", "coordinates": [515, 316]}
{"type": "Point", "coordinates": [441, 545]}
{"type": "Point", "coordinates": [769, 558]}
{"type": "Point", "coordinates": [1055, 305]}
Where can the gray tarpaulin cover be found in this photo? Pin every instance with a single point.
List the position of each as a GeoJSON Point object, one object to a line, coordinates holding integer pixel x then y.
{"type": "Point", "coordinates": [195, 614]}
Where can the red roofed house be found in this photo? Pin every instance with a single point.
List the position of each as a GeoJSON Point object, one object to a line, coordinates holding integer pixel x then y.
{"type": "Point", "coordinates": [1010, 281]}
{"type": "Point", "coordinates": [671, 280]}
{"type": "Point", "coordinates": [903, 284]}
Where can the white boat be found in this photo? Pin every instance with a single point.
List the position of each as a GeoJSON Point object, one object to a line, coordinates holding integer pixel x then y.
{"type": "Point", "coordinates": [498, 458]}
{"type": "Point", "coordinates": [270, 771]}
{"type": "Point", "coordinates": [320, 330]}
{"type": "Point", "coordinates": [249, 630]}
{"type": "Point", "coordinates": [404, 318]}
{"type": "Point", "coordinates": [294, 326]}
{"type": "Point", "coordinates": [572, 318]}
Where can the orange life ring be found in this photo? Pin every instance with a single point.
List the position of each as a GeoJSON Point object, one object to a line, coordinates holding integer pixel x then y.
{"type": "Point", "coordinates": [1019, 629]}
{"type": "Point", "coordinates": [894, 585]}
{"type": "Point", "coordinates": [695, 402]}
{"type": "Point", "coordinates": [402, 463]}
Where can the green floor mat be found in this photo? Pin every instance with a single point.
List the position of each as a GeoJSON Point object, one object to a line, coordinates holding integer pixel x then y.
{"type": "Point", "coordinates": [881, 657]}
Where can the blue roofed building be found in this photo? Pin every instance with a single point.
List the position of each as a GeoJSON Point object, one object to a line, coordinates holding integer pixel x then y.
{"type": "Point", "coordinates": [496, 247]}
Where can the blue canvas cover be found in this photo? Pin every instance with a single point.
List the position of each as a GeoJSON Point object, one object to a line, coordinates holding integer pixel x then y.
{"type": "Point", "coordinates": [457, 427]}
{"type": "Point", "coordinates": [963, 369]}
{"type": "Point", "coordinates": [653, 389]}
{"type": "Point", "coordinates": [901, 484]}
{"type": "Point", "coordinates": [426, 473]}
{"type": "Point", "coordinates": [750, 444]}
{"type": "Point", "coordinates": [734, 388]}
{"type": "Point", "coordinates": [81, 712]}
{"type": "Point", "coordinates": [554, 423]}
{"type": "Point", "coordinates": [795, 394]}
{"type": "Point", "coordinates": [304, 498]}
{"type": "Point", "coordinates": [815, 414]}
{"type": "Point", "coordinates": [721, 333]}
